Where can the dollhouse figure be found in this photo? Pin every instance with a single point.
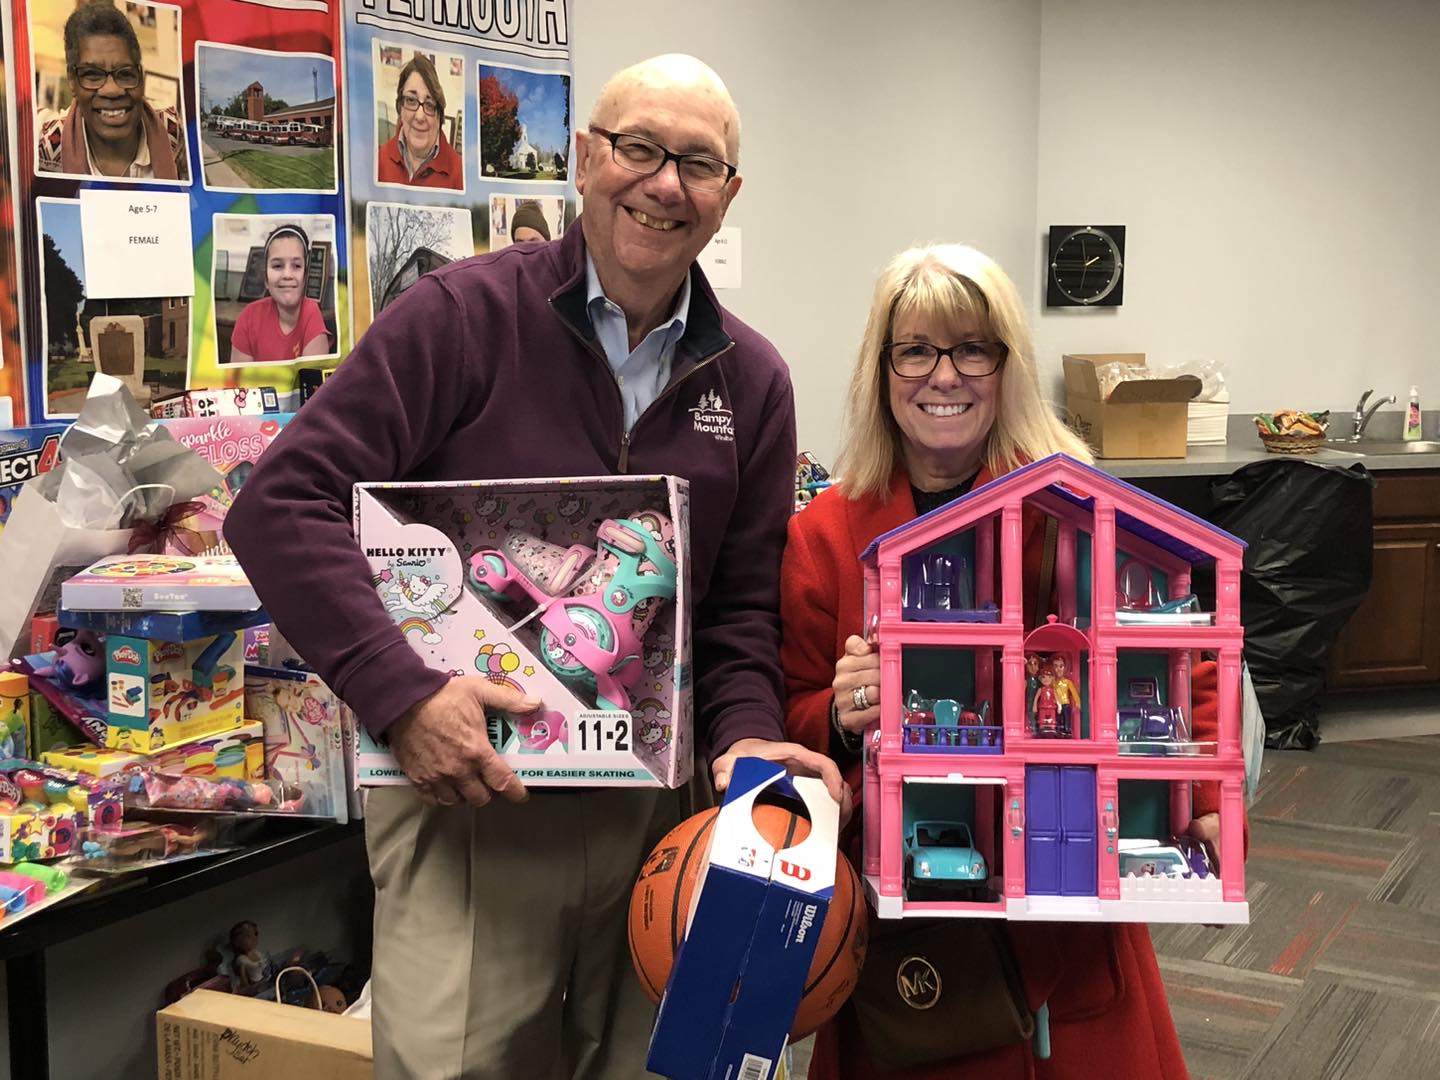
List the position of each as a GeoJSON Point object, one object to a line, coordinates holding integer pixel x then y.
{"type": "Point", "coordinates": [1068, 695]}
{"type": "Point", "coordinates": [250, 966]}
{"type": "Point", "coordinates": [1045, 705]}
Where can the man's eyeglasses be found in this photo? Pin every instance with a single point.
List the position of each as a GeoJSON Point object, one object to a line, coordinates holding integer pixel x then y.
{"type": "Point", "coordinates": [917, 359]}
{"type": "Point", "coordinates": [93, 78]}
{"type": "Point", "coordinates": [637, 154]}
{"type": "Point", "coordinates": [410, 103]}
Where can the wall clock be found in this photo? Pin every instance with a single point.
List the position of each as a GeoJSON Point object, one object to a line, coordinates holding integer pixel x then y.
{"type": "Point", "coordinates": [1086, 266]}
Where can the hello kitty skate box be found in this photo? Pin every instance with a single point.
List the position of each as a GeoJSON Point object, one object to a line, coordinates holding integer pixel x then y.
{"type": "Point", "coordinates": [574, 591]}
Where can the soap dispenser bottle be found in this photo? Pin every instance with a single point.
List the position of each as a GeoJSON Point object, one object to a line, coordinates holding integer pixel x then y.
{"type": "Point", "coordinates": [1412, 415]}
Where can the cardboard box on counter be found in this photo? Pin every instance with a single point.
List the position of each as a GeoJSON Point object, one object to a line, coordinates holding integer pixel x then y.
{"type": "Point", "coordinates": [1140, 418]}
{"type": "Point", "coordinates": [212, 1036]}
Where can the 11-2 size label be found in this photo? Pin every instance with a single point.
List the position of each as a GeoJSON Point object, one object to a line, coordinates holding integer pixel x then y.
{"type": "Point", "coordinates": [602, 731]}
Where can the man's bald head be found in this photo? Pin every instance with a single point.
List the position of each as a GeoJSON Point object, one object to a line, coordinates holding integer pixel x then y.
{"type": "Point", "coordinates": [671, 71]}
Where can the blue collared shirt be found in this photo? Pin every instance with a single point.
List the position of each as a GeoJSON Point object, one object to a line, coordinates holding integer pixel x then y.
{"type": "Point", "coordinates": [642, 374]}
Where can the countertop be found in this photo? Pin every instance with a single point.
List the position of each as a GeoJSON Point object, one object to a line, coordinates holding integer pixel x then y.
{"type": "Point", "coordinates": [1245, 446]}
{"type": "Point", "coordinates": [1221, 460]}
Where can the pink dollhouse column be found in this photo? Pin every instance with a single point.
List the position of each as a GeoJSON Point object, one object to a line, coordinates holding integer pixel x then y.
{"type": "Point", "coordinates": [1103, 555]}
{"type": "Point", "coordinates": [1012, 662]}
{"type": "Point", "coordinates": [1012, 566]}
{"type": "Point", "coordinates": [1104, 670]}
{"type": "Point", "coordinates": [890, 697]}
{"type": "Point", "coordinates": [1013, 822]}
{"type": "Point", "coordinates": [891, 861]}
{"type": "Point", "coordinates": [1179, 693]}
{"type": "Point", "coordinates": [1232, 840]}
{"type": "Point", "coordinates": [1227, 593]}
{"type": "Point", "coordinates": [1229, 700]}
{"type": "Point", "coordinates": [1107, 794]}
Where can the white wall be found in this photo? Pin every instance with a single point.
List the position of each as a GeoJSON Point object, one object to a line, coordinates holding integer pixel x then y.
{"type": "Point", "coordinates": [1276, 165]}
{"type": "Point", "coordinates": [866, 128]}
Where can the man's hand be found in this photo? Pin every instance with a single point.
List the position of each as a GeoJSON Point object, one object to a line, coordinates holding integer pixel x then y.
{"type": "Point", "coordinates": [441, 743]}
{"type": "Point", "coordinates": [795, 758]}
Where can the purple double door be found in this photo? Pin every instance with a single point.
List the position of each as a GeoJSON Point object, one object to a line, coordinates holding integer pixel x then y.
{"type": "Point", "coordinates": [1062, 845]}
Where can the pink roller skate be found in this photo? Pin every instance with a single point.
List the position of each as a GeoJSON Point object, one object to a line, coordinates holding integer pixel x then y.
{"type": "Point", "coordinates": [528, 569]}
{"type": "Point", "coordinates": [593, 635]}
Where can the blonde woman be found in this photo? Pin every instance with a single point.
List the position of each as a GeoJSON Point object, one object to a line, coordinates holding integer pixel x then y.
{"type": "Point", "coordinates": [944, 397]}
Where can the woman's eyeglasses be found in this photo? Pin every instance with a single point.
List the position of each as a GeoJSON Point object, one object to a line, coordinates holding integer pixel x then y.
{"type": "Point", "coordinates": [93, 78]}
{"type": "Point", "coordinates": [917, 359]}
{"type": "Point", "coordinates": [410, 103]}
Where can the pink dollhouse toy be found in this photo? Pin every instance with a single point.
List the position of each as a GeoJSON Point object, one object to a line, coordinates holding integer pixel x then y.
{"type": "Point", "coordinates": [1047, 773]}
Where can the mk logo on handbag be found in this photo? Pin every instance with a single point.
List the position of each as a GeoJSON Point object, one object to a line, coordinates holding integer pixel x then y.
{"type": "Point", "coordinates": [918, 982]}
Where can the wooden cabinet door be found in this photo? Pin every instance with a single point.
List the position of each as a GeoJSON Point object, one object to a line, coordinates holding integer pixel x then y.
{"type": "Point", "coordinates": [1394, 636]}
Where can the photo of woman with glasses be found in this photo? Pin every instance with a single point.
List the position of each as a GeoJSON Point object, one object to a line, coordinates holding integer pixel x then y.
{"type": "Point", "coordinates": [110, 129]}
{"type": "Point", "coordinates": [420, 155]}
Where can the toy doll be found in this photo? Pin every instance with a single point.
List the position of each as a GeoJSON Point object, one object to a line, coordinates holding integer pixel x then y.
{"type": "Point", "coordinates": [79, 663]}
{"type": "Point", "coordinates": [1032, 683]}
{"type": "Point", "coordinates": [1068, 694]}
{"type": "Point", "coordinates": [250, 967]}
{"type": "Point", "coordinates": [332, 999]}
{"type": "Point", "coordinates": [1045, 705]}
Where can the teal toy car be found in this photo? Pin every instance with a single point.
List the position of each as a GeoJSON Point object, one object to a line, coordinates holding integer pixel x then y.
{"type": "Point", "coordinates": [941, 862]}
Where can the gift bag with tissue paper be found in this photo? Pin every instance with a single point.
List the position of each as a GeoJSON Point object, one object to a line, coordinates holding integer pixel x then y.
{"type": "Point", "coordinates": [121, 478]}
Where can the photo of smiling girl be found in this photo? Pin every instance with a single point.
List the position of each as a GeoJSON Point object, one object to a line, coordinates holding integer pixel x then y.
{"type": "Point", "coordinates": [285, 324]}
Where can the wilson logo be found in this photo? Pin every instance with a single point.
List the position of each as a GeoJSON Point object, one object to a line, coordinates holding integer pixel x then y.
{"type": "Point", "coordinates": [126, 655]}
{"type": "Point", "coordinates": [710, 416]}
{"type": "Point", "coordinates": [807, 920]}
{"type": "Point", "coordinates": [799, 873]}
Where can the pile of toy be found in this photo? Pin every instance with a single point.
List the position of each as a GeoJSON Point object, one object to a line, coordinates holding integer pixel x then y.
{"type": "Point", "coordinates": [138, 721]}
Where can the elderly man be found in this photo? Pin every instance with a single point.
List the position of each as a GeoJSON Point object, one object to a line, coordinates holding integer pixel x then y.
{"type": "Point", "coordinates": [500, 915]}
{"type": "Point", "coordinates": [110, 129]}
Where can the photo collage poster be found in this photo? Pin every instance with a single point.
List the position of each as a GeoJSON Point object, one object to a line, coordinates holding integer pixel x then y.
{"type": "Point", "coordinates": [182, 219]}
{"type": "Point", "coordinates": [12, 369]}
{"type": "Point", "coordinates": [460, 135]}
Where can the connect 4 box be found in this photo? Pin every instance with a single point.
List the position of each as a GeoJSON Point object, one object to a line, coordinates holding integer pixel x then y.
{"type": "Point", "coordinates": [572, 591]}
{"type": "Point", "coordinates": [741, 968]}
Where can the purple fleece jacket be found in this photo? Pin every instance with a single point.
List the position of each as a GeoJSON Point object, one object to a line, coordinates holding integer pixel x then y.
{"type": "Point", "coordinates": [489, 368]}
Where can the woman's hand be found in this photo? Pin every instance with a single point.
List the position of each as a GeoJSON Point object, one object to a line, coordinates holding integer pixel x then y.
{"type": "Point", "coordinates": [858, 669]}
{"type": "Point", "coordinates": [1206, 829]}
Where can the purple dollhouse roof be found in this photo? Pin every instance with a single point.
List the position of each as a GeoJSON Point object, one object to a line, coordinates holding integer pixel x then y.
{"type": "Point", "coordinates": [1102, 481]}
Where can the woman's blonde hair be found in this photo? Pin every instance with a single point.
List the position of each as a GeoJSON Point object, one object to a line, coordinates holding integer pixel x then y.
{"type": "Point", "coordinates": [961, 286]}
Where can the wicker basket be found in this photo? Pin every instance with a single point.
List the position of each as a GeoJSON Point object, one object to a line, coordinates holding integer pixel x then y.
{"type": "Point", "coordinates": [1292, 444]}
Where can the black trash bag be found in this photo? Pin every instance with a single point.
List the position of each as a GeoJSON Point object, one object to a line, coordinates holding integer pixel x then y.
{"type": "Point", "coordinates": [1307, 568]}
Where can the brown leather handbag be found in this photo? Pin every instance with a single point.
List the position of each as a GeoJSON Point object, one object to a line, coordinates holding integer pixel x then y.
{"type": "Point", "coordinates": [933, 989]}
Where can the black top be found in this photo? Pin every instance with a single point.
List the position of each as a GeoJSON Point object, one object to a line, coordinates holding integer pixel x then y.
{"type": "Point", "coordinates": [925, 501]}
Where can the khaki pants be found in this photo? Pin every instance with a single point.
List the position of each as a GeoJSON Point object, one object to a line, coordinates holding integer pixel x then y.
{"type": "Point", "coordinates": [500, 934]}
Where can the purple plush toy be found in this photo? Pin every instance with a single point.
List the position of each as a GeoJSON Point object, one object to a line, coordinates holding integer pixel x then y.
{"type": "Point", "coordinates": [79, 662]}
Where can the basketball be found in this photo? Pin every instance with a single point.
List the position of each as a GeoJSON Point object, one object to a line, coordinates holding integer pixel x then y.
{"type": "Point", "coordinates": [660, 904]}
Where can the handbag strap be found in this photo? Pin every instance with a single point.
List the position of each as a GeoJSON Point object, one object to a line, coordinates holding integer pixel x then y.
{"type": "Point", "coordinates": [308, 977]}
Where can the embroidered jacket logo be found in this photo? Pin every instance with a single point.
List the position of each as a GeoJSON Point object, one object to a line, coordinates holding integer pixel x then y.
{"type": "Point", "coordinates": [711, 417]}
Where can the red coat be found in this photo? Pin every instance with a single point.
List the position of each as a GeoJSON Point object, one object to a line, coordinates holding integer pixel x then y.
{"type": "Point", "coordinates": [441, 171]}
{"type": "Point", "coordinates": [1108, 1012]}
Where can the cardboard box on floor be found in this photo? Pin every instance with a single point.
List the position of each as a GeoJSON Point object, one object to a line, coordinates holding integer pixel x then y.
{"type": "Point", "coordinates": [213, 1036]}
{"type": "Point", "coordinates": [1141, 418]}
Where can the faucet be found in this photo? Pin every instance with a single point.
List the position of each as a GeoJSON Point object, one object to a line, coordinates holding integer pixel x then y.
{"type": "Point", "coordinates": [1363, 415]}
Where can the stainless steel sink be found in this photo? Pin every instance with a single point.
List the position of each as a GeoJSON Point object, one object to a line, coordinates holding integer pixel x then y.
{"type": "Point", "coordinates": [1387, 446]}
